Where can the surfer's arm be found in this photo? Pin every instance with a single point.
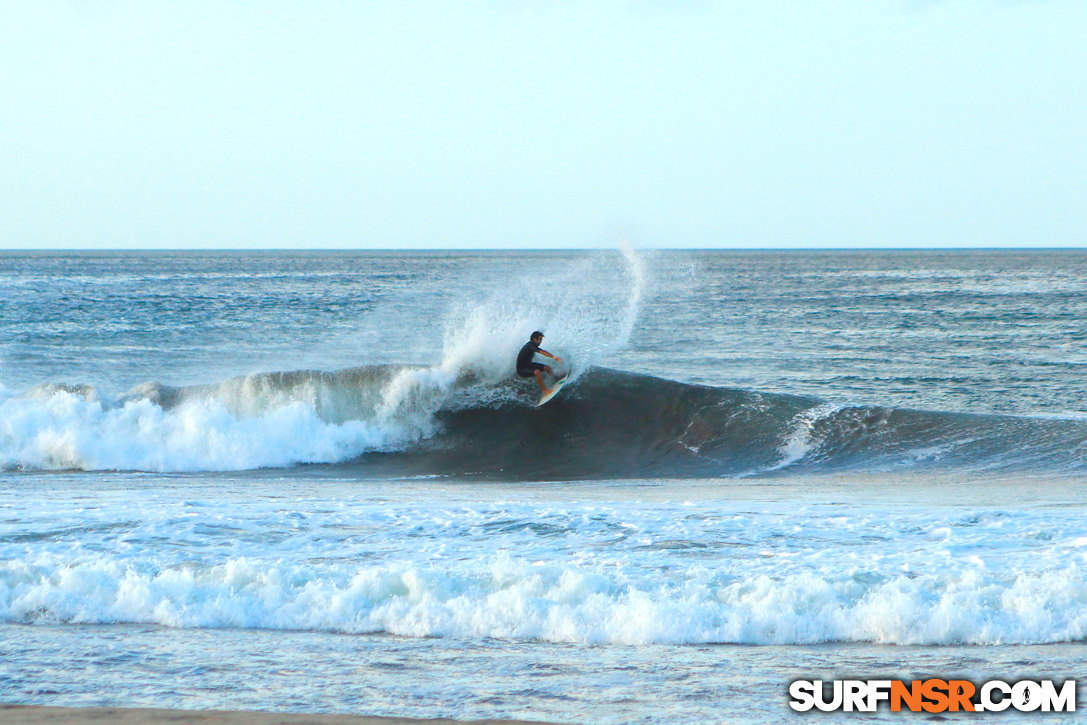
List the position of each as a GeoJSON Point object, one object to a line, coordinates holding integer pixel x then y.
{"type": "Point", "coordinates": [545, 353]}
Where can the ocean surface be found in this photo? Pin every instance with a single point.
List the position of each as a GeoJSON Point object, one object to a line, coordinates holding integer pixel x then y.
{"type": "Point", "coordinates": [310, 482]}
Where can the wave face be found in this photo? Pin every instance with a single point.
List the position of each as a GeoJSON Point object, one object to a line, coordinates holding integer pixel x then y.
{"type": "Point", "coordinates": [613, 424]}
{"type": "Point", "coordinates": [405, 421]}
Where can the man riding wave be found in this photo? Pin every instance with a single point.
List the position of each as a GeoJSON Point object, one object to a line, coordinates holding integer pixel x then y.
{"type": "Point", "coordinates": [526, 368]}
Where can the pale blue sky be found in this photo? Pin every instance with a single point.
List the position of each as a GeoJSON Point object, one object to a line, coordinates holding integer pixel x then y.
{"type": "Point", "coordinates": [869, 123]}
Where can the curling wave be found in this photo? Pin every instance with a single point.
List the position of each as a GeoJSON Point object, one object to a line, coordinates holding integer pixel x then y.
{"type": "Point", "coordinates": [398, 420]}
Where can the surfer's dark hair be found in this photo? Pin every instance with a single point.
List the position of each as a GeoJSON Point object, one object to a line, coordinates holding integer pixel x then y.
{"type": "Point", "coordinates": [535, 333]}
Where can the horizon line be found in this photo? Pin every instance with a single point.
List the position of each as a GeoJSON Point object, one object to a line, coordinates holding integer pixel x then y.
{"type": "Point", "coordinates": [6, 250]}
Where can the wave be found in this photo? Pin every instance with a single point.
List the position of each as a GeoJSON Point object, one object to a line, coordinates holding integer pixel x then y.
{"type": "Point", "coordinates": [613, 423]}
{"type": "Point", "coordinates": [512, 598]}
{"type": "Point", "coordinates": [393, 421]}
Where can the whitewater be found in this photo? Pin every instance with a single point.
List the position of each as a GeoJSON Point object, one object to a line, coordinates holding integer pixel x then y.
{"type": "Point", "coordinates": [221, 474]}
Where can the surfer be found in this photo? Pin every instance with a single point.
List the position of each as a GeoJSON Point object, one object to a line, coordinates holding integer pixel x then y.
{"type": "Point", "coordinates": [526, 368]}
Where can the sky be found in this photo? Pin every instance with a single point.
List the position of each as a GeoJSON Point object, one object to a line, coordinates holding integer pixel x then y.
{"type": "Point", "coordinates": [542, 124]}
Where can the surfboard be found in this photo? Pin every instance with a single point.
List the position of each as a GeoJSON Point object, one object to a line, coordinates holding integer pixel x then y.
{"type": "Point", "coordinates": [555, 388]}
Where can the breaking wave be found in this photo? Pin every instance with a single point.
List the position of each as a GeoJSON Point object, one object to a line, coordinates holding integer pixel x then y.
{"type": "Point", "coordinates": [467, 414]}
{"type": "Point", "coordinates": [398, 420]}
{"type": "Point", "coordinates": [507, 597]}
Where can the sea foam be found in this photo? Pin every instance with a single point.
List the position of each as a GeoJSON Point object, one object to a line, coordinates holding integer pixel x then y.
{"type": "Point", "coordinates": [588, 572]}
{"type": "Point", "coordinates": [69, 431]}
{"type": "Point", "coordinates": [513, 598]}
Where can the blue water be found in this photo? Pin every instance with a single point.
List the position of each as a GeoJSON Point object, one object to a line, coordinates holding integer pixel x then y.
{"type": "Point", "coordinates": [310, 482]}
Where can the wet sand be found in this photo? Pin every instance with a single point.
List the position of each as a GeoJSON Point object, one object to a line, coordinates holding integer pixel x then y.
{"type": "Point", "coordinates": [35, 715]}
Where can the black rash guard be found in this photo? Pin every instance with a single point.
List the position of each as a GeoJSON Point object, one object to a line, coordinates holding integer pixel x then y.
{"type": "Point", "coordinates": [525, 367]}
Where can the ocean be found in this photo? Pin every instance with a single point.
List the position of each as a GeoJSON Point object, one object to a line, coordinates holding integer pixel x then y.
{"type": "Point", "coordinates": [310, 481]}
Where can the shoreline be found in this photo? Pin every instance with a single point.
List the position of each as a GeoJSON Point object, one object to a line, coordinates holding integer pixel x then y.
{"type": "Point", "coordinates": [12, 714]}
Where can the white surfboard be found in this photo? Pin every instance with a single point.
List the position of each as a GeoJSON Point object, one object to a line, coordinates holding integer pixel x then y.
{"type": "Point", "coordinates": [555, 388]}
